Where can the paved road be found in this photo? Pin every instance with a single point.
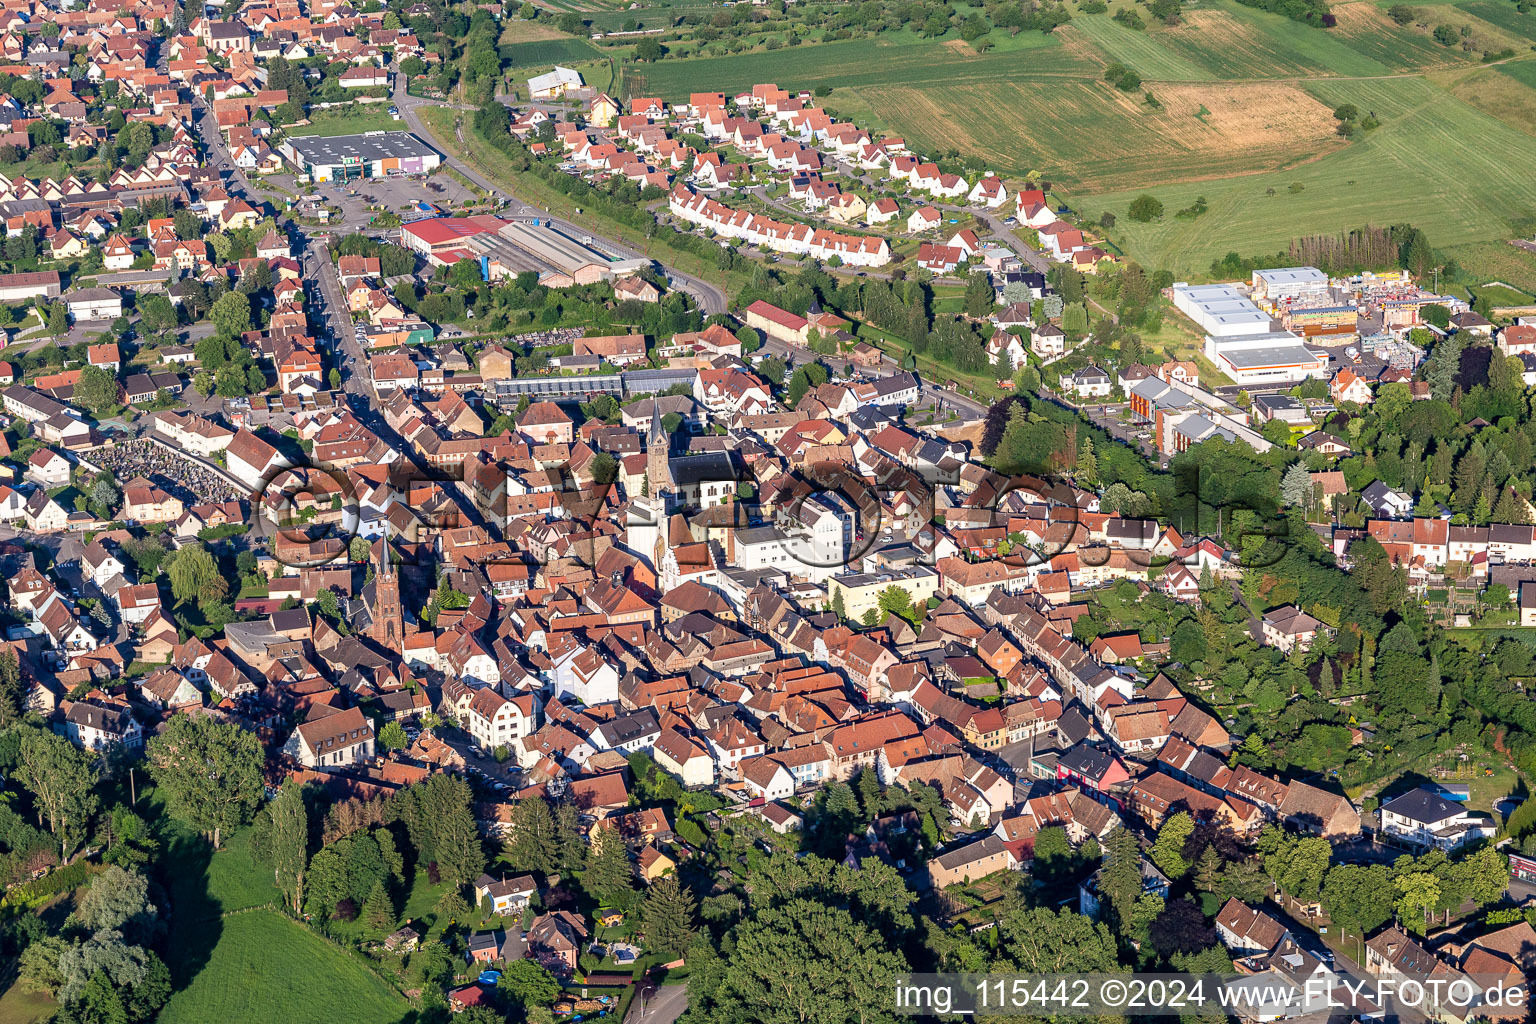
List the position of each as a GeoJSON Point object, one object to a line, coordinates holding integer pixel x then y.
{"type": "Point", "coordinates": [710, 298]}
{"type": "Point", "coordinates": [331, 309]}
{"type": "Point", "coordinates": [664, 1007]}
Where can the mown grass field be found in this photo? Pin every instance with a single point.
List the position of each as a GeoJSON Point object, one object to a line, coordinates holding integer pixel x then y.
{"type": "Point", "coordinates": [1497, 92]}
{"type": "Point", "coordinates": [859, 62]}
{"type": "Point", "coordinates": [1416, 168]}
{"type": "Point", "coordinates": [231, 958]}
{"type": "Point", "coordinates": [1522, 71]}
{"type": "Point", "coordinates": [372, 117]}
{"type": "Point", "coordinates": [1236, 42]}
{"type": "Point", "coordinates": [1365, 28]}
{"type": "Point", "coordinates": [1141, 51]}
{"type": "Point", "coordinates": [267, 968]}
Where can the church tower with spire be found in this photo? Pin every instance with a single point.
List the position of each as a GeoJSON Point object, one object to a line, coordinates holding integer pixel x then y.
{"type": "Point", "coordinates": [658, 449]}
{"type": "Point", "coordinates": [388, 622]}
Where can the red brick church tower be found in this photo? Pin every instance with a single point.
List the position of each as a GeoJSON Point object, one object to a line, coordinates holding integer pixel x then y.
{"type": "Point", "coordinates": [388, 626]}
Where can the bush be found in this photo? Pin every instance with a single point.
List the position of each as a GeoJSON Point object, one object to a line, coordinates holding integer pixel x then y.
{"type": "Point", "coordinates": [1145, 209]}
{"type": "Point", "coordinates": [690, 832]}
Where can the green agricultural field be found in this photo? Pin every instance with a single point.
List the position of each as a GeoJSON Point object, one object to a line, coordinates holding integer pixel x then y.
{"type": "Point", "coordinates": [1395, 174]}
{"type": "Point", "coordinates": [264, 967]}
{"type": "Point", "coordinates": [1504, 15]}
{"type": "Point", "coordinates": [1089, 136]}
{"type": "Point", "coordinates": [1493, 91]}
{"type": "Point", "coordinates": [1522, 71]}
{"type": "Point", "coordinates": [1143, 52]}
{"type": "Point", "coordinates": [859, 62]}
{"type": "Point", "coordinates": [1236, 42]}
{"type": "Point", "coordinates": [1365, 27]}
{"type": "Point", "coordinates": [548, 51]}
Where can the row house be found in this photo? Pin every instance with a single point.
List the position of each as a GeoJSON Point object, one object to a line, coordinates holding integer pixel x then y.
{"type": "Point", "coordinates": [797, 239]}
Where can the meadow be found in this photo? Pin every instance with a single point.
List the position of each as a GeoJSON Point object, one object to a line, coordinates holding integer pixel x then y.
{"type": "Point", "coordinates": [1239, 43]}
{"type": "Point", "coordinates": [1504, 15]}
{"type": "Point", "coordinates": [1365, 28]}
{"type": "Point", "coordinates": [1497, 261]}
{"type": "Point", "coordinates": [265, 967]}
{"type": "Point", "coordinates": [233, 956]}
{"type": "Point", "coordinates": [20, 1005]}
{"type": "Point", "coordinates": [1416, 168]}
{"type": "Point", "coordinates": [1498, 91]}
{"type": "Point", "coordinates": [858, 62]}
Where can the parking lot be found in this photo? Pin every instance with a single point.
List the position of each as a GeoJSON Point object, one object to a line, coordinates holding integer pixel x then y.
{"type": "Point", "coordinates": [501, 778]}
{"type": "Point", "coordinates": [398, 195]}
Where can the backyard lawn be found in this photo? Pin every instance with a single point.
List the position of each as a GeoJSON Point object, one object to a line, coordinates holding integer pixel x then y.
{"type": "Point", "coordinates": [1484, 790]}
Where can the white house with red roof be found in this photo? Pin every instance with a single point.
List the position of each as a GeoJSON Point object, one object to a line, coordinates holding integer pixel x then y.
{"type": "Point", "coordinates": [966, 241]}
{"type": "Point", "coordinates": [1032, 210]}
{"type": "Point", "coordinates": [881, 211]}
{"type": "Point", "coordinates": [989, 192]}
{"type": "Point", "coordinates": [924, 218]}
{"type": "Point", "coordinates": [1061, 240]}
{"type": "Point", "coordinates": [939, 259]}
{"type": "Point", "coordinates": [1349, 386]}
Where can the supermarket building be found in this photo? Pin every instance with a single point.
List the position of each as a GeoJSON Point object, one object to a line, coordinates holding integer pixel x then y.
{"type": "Point", "coordinates": [352, 157]}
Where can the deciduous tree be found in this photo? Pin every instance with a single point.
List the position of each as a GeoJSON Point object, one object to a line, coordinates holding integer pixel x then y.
{"type": "Point", "coordinates": [62, 780]}
{"type": "Point", "coordinates": [209, 771]}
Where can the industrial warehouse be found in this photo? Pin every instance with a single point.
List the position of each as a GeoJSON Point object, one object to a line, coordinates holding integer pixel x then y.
{"type": "Point", "coordinates": [350, 157]}
{"type": "Point", "coordinates": [506, 248]}
{"type": "Point", "coordinates": [1240, 338]}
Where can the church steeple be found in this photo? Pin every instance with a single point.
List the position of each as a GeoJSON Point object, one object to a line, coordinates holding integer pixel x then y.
{"type": "Point", "coordinates": [388, 627]}
{"type": "Point", "coordinates": [658, 447]}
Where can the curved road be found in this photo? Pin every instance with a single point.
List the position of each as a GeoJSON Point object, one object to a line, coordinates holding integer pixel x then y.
{"type": "Point", "coordinates": [710, 298]}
